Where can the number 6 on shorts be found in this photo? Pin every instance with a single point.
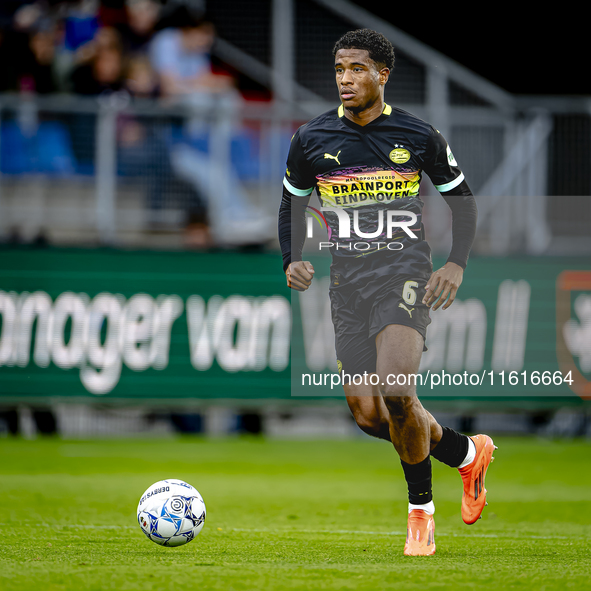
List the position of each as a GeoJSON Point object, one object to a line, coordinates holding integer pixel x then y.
{"type": "Point", "coordinates": [409, 294]}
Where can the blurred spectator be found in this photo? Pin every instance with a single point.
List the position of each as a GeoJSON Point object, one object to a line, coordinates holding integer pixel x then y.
{"type": "Point", "coordinates": [141, 80]}
{"type": "Point", "coordinates": [180, 55]}
{"type": "Point", "coordinates": [102, 64]}
{"type": "Point", "coordinates": [143, 152]}
{"type": "Point", "coordinates": [28, 15]}
{"type": "Point", "coordinates": [142, 49]}
{"type": "Point", "coordinates": [38, 73]}
{"type": "Point", "coordinates": [99, 69]}
{"type": "Point", "coordinates": [81, 23]}
{"type": "Point", "coordinates": [18, 22]}
{"type": "Point", "coordinates": [142, 18]}
{"type": "Point", "coordinates": [37, 32]}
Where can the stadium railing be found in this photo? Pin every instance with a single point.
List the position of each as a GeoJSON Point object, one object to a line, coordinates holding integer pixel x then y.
{"type": "Point", "coordinates": [141, 173]}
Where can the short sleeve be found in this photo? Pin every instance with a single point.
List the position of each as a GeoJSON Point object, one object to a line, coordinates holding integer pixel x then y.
{"type": "Point", "coordinates": [299, 179]}
{"type": "Point", "coordinates": [440, 164]}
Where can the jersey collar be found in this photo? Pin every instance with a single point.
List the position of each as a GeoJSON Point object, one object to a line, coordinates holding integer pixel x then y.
{"type": "Point", "coordinates": [364, 128]}
{"type": "Point", "coordinates": [387, 110]}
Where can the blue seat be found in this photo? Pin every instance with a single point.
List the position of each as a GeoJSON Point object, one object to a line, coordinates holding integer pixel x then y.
{"type": "Point", "coordinates": [48, 151]}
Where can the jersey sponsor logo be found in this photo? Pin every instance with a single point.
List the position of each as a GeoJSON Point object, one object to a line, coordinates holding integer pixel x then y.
{"type": "Point", "coordinates": [399, 155]}
{"type": "Point", "coordinates": [358, 187]}
{"type": "Point", "coordinates": [327, 155]}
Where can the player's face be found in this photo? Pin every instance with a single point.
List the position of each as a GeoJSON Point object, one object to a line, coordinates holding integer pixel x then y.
{"type": "Point", "coordinates": [359, 80]}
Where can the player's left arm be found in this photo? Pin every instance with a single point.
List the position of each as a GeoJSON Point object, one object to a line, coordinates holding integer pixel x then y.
{"type": "Point", "coordinates": [443, 285]}
{"type": "Point", "coordinates": [298, 184]}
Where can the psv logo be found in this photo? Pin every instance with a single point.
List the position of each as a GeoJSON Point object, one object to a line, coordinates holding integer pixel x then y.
{"type": "Point", "coordinates": [573, 328]}
{"type": "Point", "coordinates": [399, 155]}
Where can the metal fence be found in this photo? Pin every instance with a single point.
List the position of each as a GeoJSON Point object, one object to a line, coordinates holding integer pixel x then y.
{"type": "Point", "coordinates": [107, 171]}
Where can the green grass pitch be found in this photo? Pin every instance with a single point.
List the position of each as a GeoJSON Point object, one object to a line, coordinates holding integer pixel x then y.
{"type": "Point", "coordinates": [315, 515]}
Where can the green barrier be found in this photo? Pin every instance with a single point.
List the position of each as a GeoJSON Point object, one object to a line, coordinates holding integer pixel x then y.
{"type": "Point", "coordinates": [164, 327]}
{"type": "Point", "coordinates": [120, 325]}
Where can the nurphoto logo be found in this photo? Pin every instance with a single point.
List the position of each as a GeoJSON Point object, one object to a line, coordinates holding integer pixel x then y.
{"type": "Point", "coordinates": [389, 226]}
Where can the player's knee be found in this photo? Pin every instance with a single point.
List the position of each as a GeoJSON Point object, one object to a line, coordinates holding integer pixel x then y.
{"type": "Point", "coordinates": [368, 420]}
{"type": "Point", "coordinates": [399, 403]}
{"type": "Point", "coordinates": [394, 388]}
{"type": "Point", "coordinates": [369, 423]}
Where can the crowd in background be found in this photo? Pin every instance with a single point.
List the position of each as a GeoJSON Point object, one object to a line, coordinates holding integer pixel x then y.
{"type": "Point", "coordinates": [140, 49]}
{"type": "Point", "coordinates": [146, 48]}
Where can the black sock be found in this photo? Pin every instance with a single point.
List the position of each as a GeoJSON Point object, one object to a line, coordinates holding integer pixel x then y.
{"type": "Point", "coordinates": [452, 449]}
{"type": "Point", "coordinates": [418, 478]}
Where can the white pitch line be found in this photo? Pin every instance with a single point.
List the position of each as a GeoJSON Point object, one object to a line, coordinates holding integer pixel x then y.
{"type": "Point", "coordinates": [71, 525]}
{"type": "Point", "coordinates": [305, 531]}
{"type": "Point", "coordinates": [392, 533]}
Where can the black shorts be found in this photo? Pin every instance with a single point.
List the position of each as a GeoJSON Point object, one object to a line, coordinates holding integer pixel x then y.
{"type": "Point", "coordinates": [360, 312]}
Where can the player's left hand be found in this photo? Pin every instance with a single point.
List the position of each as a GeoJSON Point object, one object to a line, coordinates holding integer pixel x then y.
{"type": "Point", "coordinates": [443, 286]}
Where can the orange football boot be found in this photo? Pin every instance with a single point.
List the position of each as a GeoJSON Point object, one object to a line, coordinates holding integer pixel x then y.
{"type": "Point", "coordinates": [474, 497]}
{"type": "Point", "coordinates": [420, 534]}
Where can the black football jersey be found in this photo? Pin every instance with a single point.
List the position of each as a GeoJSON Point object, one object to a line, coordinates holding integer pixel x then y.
{"type": "Point", "coordinates": [366, 171]}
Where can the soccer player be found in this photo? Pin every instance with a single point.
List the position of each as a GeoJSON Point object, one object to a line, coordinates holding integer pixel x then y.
{"type": "Point", "coordinates": [365, 159]}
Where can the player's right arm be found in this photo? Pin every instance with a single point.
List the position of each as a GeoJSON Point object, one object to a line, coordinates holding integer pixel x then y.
{"type": "Point", "coordinates": [443, 170]}
{"type": "Point", "coordinates": [298, 184]}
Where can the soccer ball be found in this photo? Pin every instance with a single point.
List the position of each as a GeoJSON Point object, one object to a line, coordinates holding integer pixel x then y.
{"type": "Point", "coordinates": [171, 512]}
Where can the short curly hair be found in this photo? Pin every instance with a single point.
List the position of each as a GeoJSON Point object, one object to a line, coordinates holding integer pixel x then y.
{"type": "Point", "coordinates": [379, 48]}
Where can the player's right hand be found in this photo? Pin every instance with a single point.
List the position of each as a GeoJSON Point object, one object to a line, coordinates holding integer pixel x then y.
{"type": "Point", "coordinates": [299, 275]}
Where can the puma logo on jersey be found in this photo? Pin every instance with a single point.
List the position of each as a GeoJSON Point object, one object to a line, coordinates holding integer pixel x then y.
{"type": "Point", "coordinates": [401, 305]}
{"type": "Point", "coordinates": [327, 155]}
